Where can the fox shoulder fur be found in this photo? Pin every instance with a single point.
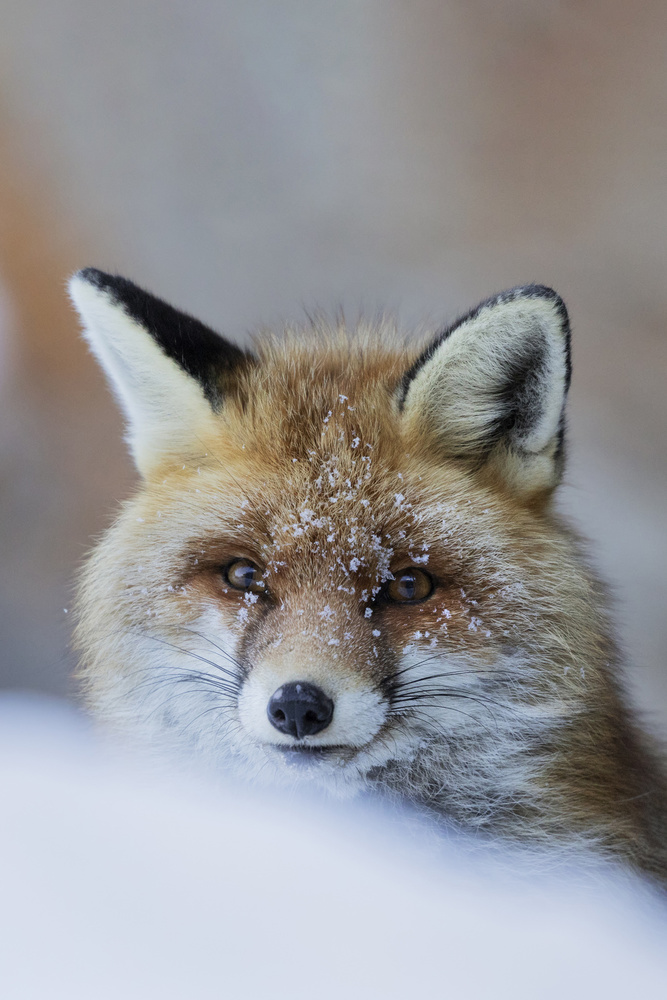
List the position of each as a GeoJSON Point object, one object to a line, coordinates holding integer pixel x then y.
{"type": "Point", "coordinates": [343, 563]}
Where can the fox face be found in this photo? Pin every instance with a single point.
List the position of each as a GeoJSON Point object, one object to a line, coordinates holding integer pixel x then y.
{"type": "Point", "coordinates": [342, 564]}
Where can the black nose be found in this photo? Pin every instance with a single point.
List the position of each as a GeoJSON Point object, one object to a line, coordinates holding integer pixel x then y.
{"type": "Point", "coordinates": [300, 709]}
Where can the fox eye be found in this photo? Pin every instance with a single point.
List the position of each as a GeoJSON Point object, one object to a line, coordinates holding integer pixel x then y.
{"type": "Point", "coordinates": [244, 575]}
{"type": "Point", "coordinates": [409, 586]}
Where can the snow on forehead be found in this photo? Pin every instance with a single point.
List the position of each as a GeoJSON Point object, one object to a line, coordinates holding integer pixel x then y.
{"type": "Point", "coordinates": [342, 498]}
{"type": "Point", "coordinates": [346, 509]}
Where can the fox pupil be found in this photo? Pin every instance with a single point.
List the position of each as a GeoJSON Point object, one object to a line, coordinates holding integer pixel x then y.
{"type": "Point", "coordinates": [407, 586]}
{"type": "Point", "coordinates": [411, 585]}
{"type": "Point", "coordinates": [243, 575]}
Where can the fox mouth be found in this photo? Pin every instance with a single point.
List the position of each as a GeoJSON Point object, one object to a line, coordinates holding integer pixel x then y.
{"type": "Point", "coordinates": [303, 755]}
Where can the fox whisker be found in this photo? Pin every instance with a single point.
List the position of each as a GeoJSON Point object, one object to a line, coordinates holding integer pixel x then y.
{"type": "Point", "coordinates": [201, 635]}
{"type": "Point", "coordinates": [429, 722]}
{"type": "Point", "coordinates": [164, 642]}
{"type": "Point", "coordinates": [416, 697]}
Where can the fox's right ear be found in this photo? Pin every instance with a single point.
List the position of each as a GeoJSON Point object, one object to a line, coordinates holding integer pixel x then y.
{"type": "Point", "coordinates": [169, 371]}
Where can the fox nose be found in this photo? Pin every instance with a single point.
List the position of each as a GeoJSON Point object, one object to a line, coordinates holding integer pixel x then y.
{"type": "Point", "coordinates": [300, 709]}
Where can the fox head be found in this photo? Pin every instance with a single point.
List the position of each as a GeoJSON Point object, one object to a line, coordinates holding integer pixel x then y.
{"type": "Point", "coordinates": [341, 561]}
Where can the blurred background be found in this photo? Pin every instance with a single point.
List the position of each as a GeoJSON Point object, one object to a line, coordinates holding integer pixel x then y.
{"type": "Point", "coordinates": [247, 159]}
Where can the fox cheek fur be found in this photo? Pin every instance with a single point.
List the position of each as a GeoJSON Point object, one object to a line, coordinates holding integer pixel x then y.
{"type": "Point", "coordinates": [342, 563]}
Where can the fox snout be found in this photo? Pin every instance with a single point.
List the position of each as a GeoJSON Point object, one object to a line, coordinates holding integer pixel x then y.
{"type": "Point", "coordinates": [288, 700]}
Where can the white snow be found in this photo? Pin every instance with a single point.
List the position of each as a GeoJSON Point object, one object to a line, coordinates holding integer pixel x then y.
{"type": "Point", "coordinates": [119, 882]}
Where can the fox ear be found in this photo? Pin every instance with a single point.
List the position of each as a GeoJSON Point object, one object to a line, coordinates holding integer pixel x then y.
{"type": "Point", "coordinates": [169, 371]}
{"type": "Point", "coordinates": [490, 391]}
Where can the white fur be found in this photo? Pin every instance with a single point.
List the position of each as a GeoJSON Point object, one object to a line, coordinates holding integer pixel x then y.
{"type": "Point", "coordinates": [163, 405]}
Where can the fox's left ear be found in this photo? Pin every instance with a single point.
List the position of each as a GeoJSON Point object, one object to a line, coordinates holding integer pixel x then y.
{"type": "Point", "coordinates": [169, 371]}
{"type": "Point", "coordinates": [490, 391]}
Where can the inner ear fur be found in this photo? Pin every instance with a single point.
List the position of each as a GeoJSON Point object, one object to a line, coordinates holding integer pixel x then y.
{"type": "Point", "coordinates": [490, 390]}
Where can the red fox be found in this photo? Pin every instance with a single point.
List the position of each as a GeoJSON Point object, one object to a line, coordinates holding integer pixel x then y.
{"type": "Point", "coordinates": [343, 565]}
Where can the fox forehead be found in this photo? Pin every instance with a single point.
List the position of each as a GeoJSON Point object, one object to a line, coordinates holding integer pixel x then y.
{"type": "Point", "coordinates": [309, 398]}
{"type": "Point", "coordinates": [310, 444]}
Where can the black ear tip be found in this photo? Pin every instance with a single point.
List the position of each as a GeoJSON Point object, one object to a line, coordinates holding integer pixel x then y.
{"type": "Point", "coordinates": [116, 285]}
{"type": "Point", "coordinates": [545, 292]}
{"type": "Point", "coordinates": [534, 292]}
{"type": "Point", "coordinates": [198, 350]}
{"type": "Point", "coordinates": [517, 293]}
{"type": "Point", "coordinates": [92, 276]}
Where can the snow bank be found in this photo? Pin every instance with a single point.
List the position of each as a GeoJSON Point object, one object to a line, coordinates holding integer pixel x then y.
{"type": "Point", "coordinates": [117, 882]}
